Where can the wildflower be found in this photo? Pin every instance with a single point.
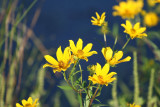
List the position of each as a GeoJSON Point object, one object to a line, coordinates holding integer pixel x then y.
{"type": "Point", "coordinates": [133, 105]}
{"type": "Point", "coordinates": [99, 20]}
{"type": "Point", "coordinates": [79, 52]}
{"type": "Point", "coordinates": [101, 75]}
{"type": "Point", "coordinates": [151, 19]}
{"type": "Point", "coordinates": [157, 1]}
{"type": "Point", "coordinates": [128, 9]}
{"type": "Point", "coordinates": [134, 32]}
{"type": "Point", "coordinates": [28, 103]}
{"type": "Point", "coordinates": [108, 53]}
{"type": "Point", "coordinates": [63, 60]}
{"type": "Point", "coordinates": [151, 2]}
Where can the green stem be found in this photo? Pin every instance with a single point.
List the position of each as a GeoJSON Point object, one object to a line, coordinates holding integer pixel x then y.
{"type": "Point", "coordinates": [135, 74]}
{"type": "Point", "coordinates": [64, 74]}
{"type": "Point", "coordinates": [105, 40]}
{"type": "Point", "coordinates": [93, 97]}
{"type": "Point", "coordinates": [126, 43]}
{"type": "Point", "coordinates": [73, 69]}
{"type": "Point", "coordinates": [150, 88]}
{"type": "Point", "coordinates": [114, 94]}
{"type": "Point", "coordinates": [81, 73]}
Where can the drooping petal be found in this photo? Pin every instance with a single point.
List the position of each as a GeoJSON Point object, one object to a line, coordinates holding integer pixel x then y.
{"type": "Point", "coordinates": [51, 60]}
{"type": "Point", "coordinates": [49, 65]}
{"type": "Point", "coordinates": [59, 54]}
{"type": "Point", "coordinates": [105, 69]}
{"type": "Point", "coordinates": [73, 47]}
{"type": "Point", "coordinates": [118, 55]}
{"type": "Point", "coordinates": [89, 53]}
{"type": "Point", "coordinates": [125, 59]}
{"type": "Point", "coordinates": [87, 48]}
{"type": "Point", "coordinates": [79, 44]}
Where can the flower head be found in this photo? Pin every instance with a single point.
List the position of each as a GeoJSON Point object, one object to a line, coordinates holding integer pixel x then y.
{"type": "Point", "coordinates": [113, 60]}
{"type": "Point", "coordinates": [133, 105]}
{"type": "Point", "coordinates": [157, 1]}
{"type": "Point", "coordinates": [134, 32]}
{"type": "Point", "coordinates": [151, 19]}
{"type": "Point", "coordinates": [99, 20]}
{"type": "Point", "coordinates": [128, 9]}
{"type": "Point", "coordinates": [28, 103]}
{"type": "Point", "coordinates": [101, 75]}
{"type": "Point", "coordinates": [79, 52]}
{"type": "Point", "coordinates": [63, 60]}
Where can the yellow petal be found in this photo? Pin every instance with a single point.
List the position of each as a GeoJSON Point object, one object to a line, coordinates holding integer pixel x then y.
{"type": "Point", "coordinates": [73, 47]}
{"type": "Point", "coordinates": [98, 17]}
{"type": "Point", "coordinates": [24, 102]}
{"type": "Point", "coordinates": [66, 55]}
{"type": "Point", "coordinates": [79, 44]}
{"type": "Point", "coordinates": [105, 69]}
{"type": "Point", "coordinates": [49, 65]}
{"type": "Point", "coordinates": [108, 53]}
{"type": "Point", "coordinates": [89, 53]}
{"type": "Point", "coordinates": [110, 75]}
{"type": "Point", "coordinates": [30, 100]}
{"type": "Point", "coordinates": [125, 59]}
{"type": "Point", "coordinates": [18, 105]}
{"type": "Point", "coordinates": [98, 69]}
{"type": "Point", "coordinates": [136, 26]}
{"type": "Point", "coordinates": [87, 48]}
{"type": "Point", "coordinates": [51, 60]}
{"type": "Point", "coordinates": [128, 24]}
{"type": "Point", "coordinates": [141, 30]}
{"type": "Point", "coordinates": [118, 55]}
{"type": "Point", "coordinates": [59, 54]}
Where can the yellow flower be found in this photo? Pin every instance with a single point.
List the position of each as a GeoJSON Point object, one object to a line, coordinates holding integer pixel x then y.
{"type": "Point", "coordinates": [157, 1]}
{"type": "Point", "coordinates": [100, 20]}
{"type": "Point", "coordinates": [151, 2]}
{"type": "Point", "coordinates": [128, 9]}
{"type": "Point", "coordinates": [28, 103]}
{"type": "Point", "coordinates": [108, 53]}
{"type": "Point", "coordinates": [134, 32]}
{"type": "Point", "coordinates": [79, 52]}
{"type": "Point", "coordinates": [63, 60]}
{"type": "Point", "coordinates": [151, 19]}
{"type": "Point", "coordinates": [133, 105]}
{"type": "Point", "coordinates": [101, 75]}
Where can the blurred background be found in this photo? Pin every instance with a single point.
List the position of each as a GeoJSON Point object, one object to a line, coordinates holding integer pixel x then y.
{"type": "Point", "coordinates": [30, 29]}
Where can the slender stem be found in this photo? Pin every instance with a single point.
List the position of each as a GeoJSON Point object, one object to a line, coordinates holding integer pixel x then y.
{"type": "Point", "coordinates": [81, 73]}
{"type": "Point", "coordinates": [105, 40]}
{"type": "Point", "coordinates": [126, 43]}
{"type": "Point", "coordinates": [114, 94]}
{"type": "Point", "coordinates": [150, 88]}
{"type": "Point", "coordinates": [73, 69]}
{"type": "Point", "coordinates": [135, 74]}
{"type": "Point", "coordinates": [93, 97]}
{"type": "Point", "coordinates": [81, 97]}
{"type": "Point", "coordinates": [64, 74]}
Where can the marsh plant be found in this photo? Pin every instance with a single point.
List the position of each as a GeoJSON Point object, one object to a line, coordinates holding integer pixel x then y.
{"type": "Point", "coordinates": [137, 25]}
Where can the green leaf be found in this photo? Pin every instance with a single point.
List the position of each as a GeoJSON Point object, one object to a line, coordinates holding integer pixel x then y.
{"type": "Point", "coordinates": [65, 87]}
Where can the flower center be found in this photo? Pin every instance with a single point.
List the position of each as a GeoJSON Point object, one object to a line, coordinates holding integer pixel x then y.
{"type": "Point", "coordinates": [28, 105]}
{"type": "Point", "coordinates": [61, 64]}
{"type": "Point", "coordinates": [133, 31]}
{"type": "Point", "coordinates": [100, 77]}
{"type": "Point", "coordinates": [80, 52]}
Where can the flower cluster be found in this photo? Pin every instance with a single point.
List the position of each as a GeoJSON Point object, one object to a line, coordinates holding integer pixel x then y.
{"type": "Point", "coordinates": [128, 9]}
